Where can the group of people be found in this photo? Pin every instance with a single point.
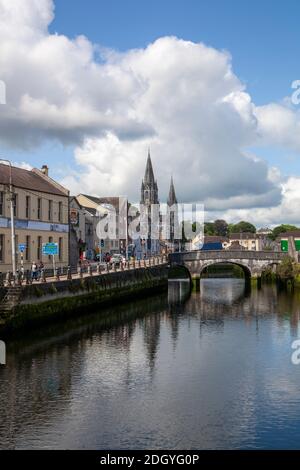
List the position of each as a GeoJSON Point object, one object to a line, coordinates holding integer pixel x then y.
{"type": "Point", "coordinates": [36, 270]}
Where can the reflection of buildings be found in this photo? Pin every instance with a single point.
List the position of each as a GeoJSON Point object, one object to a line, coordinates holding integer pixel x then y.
{"type": "Point", "coordinates": [30, 386]}
{"type": "Point", "coordinates": [151, 327]}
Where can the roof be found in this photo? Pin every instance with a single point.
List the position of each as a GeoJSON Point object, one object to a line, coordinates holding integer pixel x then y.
{"type": "Point", "coordinates": [113, 200]}
{"type": "Point", "coordinates": [242, 236]}
{"type": "Point", "coordinates": [290, 233]}
{"type": "Point", "coordinates": [29, 179]}
{"type": "Point", "coordinates": [214, 239]}
{"type": "Point", "coordinates": [74, 199]}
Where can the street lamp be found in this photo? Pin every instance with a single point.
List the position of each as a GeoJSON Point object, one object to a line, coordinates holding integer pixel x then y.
{"type": "Point", "coordinates": [12, 222]}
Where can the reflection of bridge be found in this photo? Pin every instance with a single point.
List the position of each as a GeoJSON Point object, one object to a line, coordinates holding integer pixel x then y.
{"type": "Point", "coordinates": [253, 263]}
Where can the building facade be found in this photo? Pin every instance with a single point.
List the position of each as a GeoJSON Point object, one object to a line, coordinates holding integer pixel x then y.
{"type": "Point", "coordinates": [99, 208]}
{"type": "Point", "coordinates": [41, 215]}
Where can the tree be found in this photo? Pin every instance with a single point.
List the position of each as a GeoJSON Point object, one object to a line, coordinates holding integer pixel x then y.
{"type": "Point", "coordinates": [221, 227]}
{"type": "Point", "coordinates": [281, 229]}
{"type": "Point", "coordinates": [209, 228]}
{"type": "Point", "coordinates": [286, 270]}
{"type": "Point", "coordinates": [242, 227]}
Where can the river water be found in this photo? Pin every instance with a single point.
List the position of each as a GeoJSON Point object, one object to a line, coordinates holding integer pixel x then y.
{"type": "Point", "coordinates": [209, 370]}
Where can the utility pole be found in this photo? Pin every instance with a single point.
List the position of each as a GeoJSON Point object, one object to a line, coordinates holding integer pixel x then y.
{"type": "Point", "coordinates": [12, 221]}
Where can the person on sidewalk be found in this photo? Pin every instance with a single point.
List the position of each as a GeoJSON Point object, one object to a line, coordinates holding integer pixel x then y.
{"type": "Point", "coordinates": [34, 271]}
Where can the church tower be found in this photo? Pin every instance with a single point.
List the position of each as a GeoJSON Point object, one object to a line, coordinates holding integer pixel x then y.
{"type": "Point", "coordinates": [149, 196]}
{"type": "Point", "coordinates": [149, 189]}
{"type": "Point", "coordinates": [173, 218]}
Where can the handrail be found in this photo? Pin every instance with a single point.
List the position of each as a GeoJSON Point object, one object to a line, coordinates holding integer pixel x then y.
{"type": "Point", "coordinates": [68, 273]}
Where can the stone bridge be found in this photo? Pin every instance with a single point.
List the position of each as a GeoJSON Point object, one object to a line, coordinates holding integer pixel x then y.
{"type": "Point", "coordinates": [253, 263]}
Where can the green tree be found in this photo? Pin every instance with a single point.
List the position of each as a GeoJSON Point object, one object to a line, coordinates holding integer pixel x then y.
{"type": "Point", "coordinates": [281, 229]}
{"type": "Point", "coordinates": [209, 228]}
{"type": "Point", "coordinates": [221, 227]}
{"type": "Point", "coordinates": [242, 227]}
{"type": "Point", "coordinates": [286, 270]}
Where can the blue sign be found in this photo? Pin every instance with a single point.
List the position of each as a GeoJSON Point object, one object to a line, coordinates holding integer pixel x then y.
{"type": "Point", "coordinates": [22, 248]}
{"type": "Point", "coordinates": [50, 249]}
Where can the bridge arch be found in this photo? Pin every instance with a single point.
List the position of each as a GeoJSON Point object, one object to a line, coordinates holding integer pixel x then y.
{"type": "Point", "coordinates": [253, 263]}
{"type": "Point", "coordinates": [246, 269]}
{"type": "Point", "coordinates": [178, 271]}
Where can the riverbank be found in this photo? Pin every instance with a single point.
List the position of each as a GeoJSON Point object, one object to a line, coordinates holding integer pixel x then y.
{"type": "Point", "coordinates": [42, 303]}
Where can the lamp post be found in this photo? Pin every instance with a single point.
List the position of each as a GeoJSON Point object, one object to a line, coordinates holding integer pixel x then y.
{"type": "Point", "coordinates": [12, 221]}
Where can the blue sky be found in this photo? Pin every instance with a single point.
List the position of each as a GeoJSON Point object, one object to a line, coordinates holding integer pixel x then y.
{"type": "Point", "coordinates": [262, 39]}
{"type": "Point", "coordinates": [261, 36]}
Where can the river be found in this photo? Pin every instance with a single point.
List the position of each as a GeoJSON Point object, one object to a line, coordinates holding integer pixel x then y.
{"type": "Point", "coordinates": [209, 370]}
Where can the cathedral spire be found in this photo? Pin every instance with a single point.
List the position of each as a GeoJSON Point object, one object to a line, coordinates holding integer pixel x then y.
{"type": "Point", "coordinates": [149, 175]}
{"type": "Point", "coordinates": [149, 189]}
{"type": "Point", "coordinates": [172, 195]}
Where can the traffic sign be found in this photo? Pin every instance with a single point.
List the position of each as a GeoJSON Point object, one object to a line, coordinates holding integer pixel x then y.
{"type": "Point", "coordinates": [50, 249]}
{"type": "Point", "coordinates": [22, 248]}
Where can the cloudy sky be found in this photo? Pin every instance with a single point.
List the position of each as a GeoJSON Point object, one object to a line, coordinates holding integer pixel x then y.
{"type": "Point", "coordinates": [206, 86]}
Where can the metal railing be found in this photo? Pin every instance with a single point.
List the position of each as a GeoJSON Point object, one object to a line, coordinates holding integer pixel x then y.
{"type": "Point", "coordinates": [69, 273]}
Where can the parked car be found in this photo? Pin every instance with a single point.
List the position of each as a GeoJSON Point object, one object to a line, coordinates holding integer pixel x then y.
{"type": "Point", "coordinates": [117, 259]}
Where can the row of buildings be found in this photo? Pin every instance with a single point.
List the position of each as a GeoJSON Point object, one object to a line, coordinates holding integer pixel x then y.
{"type": "Point", "coordinates": [45, 213]}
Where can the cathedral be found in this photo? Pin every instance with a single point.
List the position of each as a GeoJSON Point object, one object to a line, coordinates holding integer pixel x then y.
{"type": "Point", "coordinates": [149, 196]}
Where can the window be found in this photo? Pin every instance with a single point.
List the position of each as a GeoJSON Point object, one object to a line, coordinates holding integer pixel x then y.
{"type": "Point", "coordinates": [15, 202]}
{"type": "Point", "coordinates": [27, 212]}
{"type": "Point", "coordinates": [27, 251]}
{"type": "Point", "coordinates": [50, 210]}
{"type": "Point", "coordinates": [39, 208]}
{"type": "Point", "coordinates": [39, 248]}
{"type": "Point", "coordinates": [60, 211]}
{"type": "Point", "coordinates": [60, 248]}
{"type": "Point", "coordinates": [1, 203]}
{"type": "Point", "coordinates": [1, 248]}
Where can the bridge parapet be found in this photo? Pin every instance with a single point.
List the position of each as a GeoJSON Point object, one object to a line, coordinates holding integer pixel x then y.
{"type": "Point", "coordinates": [225, 255]}
{"type": "Point", "coordinates": [253, 262]}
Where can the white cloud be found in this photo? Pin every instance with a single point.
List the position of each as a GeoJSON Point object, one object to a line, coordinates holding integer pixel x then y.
{"type": "Point", "coordinates": [288, 211]}
{"type": "Point", "coordinates": [180, 98]}
{"type": "Point", "coordinates": [279, 125]}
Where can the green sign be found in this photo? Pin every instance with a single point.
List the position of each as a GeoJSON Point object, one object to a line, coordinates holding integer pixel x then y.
{"type": "Point", "coordinates": [297, 245]}
{"type": "Point", "coordinates": [284, 245]}
{"type": "Point", "coordinates": [50, 249]}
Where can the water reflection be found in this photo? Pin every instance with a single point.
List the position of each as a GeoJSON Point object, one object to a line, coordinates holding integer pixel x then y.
{"type": "Point", "coordinates": [188, 370]}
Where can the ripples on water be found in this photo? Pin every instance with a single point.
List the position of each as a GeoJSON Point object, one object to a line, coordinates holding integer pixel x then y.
{"type": "Point", "coordinates": [205, 371]}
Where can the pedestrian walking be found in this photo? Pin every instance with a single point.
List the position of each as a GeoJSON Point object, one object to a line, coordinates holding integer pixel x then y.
{"type": "Point", "coordinates": [34, 271]}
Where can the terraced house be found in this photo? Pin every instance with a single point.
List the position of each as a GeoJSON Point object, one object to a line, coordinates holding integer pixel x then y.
{"type": "Point", "coordinates": [41, 214]}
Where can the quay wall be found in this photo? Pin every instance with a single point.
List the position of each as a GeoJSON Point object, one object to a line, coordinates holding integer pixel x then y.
{"type": "Point", "coordinates": [41, 303]}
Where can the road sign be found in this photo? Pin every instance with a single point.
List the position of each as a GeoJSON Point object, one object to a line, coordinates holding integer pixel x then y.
{"type": "Point", "coordinates": [22, 248]}
{"type": "Point", "coordinates": [50, 249]}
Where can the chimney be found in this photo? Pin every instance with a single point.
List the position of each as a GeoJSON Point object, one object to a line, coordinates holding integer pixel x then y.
{"type": "Point", "coordinates": [45, 170]}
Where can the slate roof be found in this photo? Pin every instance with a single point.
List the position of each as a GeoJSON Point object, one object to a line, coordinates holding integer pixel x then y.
{"type": "Point", "coordinates": [28, 179]}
